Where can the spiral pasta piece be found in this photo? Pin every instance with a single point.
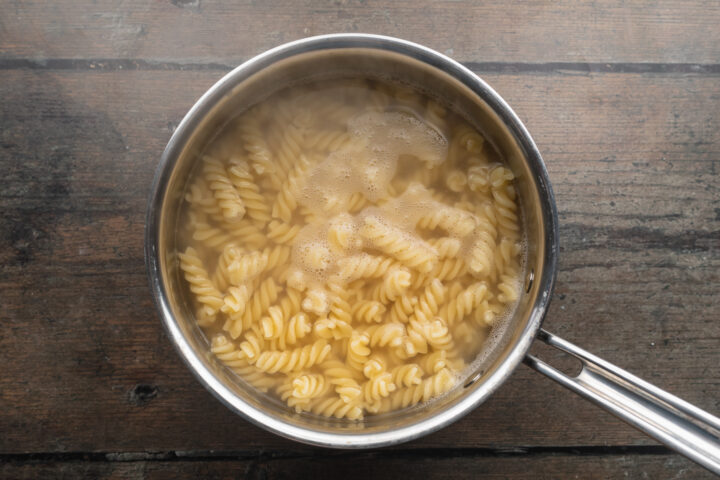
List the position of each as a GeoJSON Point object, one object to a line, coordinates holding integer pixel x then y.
{"type": "Point", "coordinates": [462, 305]}
{"type": "Point", "coordinates": [332, 328]}
{"type": "Point", "coordinates": [438, 335]}
{"type": "Point", "coordinates": [236, 300]}
{"type": "Point", "coordinates": [433, 386]}
{"type": "Point", "coordinates": [286, 201]}
{"type": "Point", "coordinates": [407, 375]}
{"type": "Point", "coordinates": [388, 334]}
{"type": "Point", "coordinates": [281, 232]}
{"type": "Point", "coordinates": [302, 389]}
{"type": "Point", "coordinates": [368, 311]}
{"type": "Point", "coordinates": [245, 234]}
{"type": "Point", "coordinates": [452, 220]}
{"type": "Point", "coordinates": [202, 201]}
{"type": "Point", "coordinates": [211, 237]}
{"type": "Point", "coordinates": [430, 300]}
{"type": "Point", "coordinates": [244, 183]}
{"type": "Point", "coordinates": [252, 346]}
{"type": "Point", "coordinates": [402, 309]}
{"type": "Point", "coordinates": [273, 324]}
{"type": "Point", "coordinates": [293, 360]}
{"type": "Point", "coordinates": [364, 266]}
{"type": "Point", "coordinates": [395, 283]}
{"type": "Point", "coordinates": [338, 408]}
{"type": "Point", "coordinates": [413, 253]}
{"type": "Point", "coordinates": [344, 379]}
{"type": "Point", "coordinates": [258, 152]}
{"type": "Point", "coordinates": [298, 327]}
{"type": "Point", "coordinates": [228, 199]}
{"type": "Point", "coordinates": [377, 388]}
{"type": "Point", "coordinates": [196, 275]}
{"type": "Point", "coordinates": [447, 247]}
{"type": "Point", "coordinates": [246, 266]}
{"type": "Point", "coordinates": [504, 194]}
{"type": "Point", "coordinates": [261, 299]}
{"type": "Point", "coordinates": [226, 352]}
{"type": "Point", "coordinates": [288, 141]}
{"type": "Point", "coordinates": [221, 276]}
{"type": "Point", "coordinates": [358, 350]}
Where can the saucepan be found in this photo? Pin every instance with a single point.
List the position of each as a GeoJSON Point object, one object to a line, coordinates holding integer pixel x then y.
{"type": "Point", "coordinates": [668, 419]}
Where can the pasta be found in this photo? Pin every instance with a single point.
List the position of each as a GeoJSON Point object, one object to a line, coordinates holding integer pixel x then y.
{"type": "Point", "coordinates": [347, 246]}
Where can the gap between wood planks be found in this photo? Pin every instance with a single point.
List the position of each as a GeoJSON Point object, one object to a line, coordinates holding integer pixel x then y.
{"type": "Point", "coordinates": [425, 453]}
{"type": "Point", "coordinates": [115, 64]}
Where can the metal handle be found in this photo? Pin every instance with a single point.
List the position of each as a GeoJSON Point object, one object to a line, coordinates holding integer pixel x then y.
{"type": "Point", "coordinates": [676, 423]}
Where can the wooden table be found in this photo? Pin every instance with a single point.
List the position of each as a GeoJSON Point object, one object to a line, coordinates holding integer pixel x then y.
{"type": "Point", "coordinates": [623, 99]}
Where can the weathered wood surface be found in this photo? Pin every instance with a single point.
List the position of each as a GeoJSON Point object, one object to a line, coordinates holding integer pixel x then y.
{"type": "Point", "coordinates": [364, 466]}
{"type": "Point", "coordinates": [203, 31]}
{"type": "Point", "coordinates": [89, 95]}
{"type": "Point", "coordinates": [633, 159]}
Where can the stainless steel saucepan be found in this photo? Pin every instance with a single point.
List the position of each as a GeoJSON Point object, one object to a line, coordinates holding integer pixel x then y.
{"type": "Point", "coordinates": [670, 420]}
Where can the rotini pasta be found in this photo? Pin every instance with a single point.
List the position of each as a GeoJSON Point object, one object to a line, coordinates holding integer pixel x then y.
{"type": "Point", "coordinates": [255, 204]}
{"type": "Point", "coordinates": [228, 199]}
{"type": "Point", "coordinates": [348, 247]}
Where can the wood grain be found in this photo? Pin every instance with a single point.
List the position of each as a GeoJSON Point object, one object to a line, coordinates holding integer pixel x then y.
{"type": "Point", "coordinates": [87, 367]}
{"type": "Point", "coordinates": [369, 465]}
{"type": "Point", "coordinates": [204, 31]}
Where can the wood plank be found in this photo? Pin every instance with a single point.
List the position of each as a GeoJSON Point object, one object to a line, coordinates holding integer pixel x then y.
{"type": "Point", "coordinates": [370, 465]}
{"type": "Point", "coordinates": [204, 31]}
{"type": "Point", "coordinates": [87, 367]}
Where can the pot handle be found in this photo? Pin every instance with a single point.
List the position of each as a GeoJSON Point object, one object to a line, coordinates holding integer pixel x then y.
{"type": "Point", "coordinates": [665, 417]}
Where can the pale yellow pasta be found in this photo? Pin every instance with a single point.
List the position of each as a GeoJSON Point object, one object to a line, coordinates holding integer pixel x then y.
{"type": "Point", "coordinates": [447, 247]}
{"type": "Point", "coordinates": [261, 299]}
{"type": "Point", "coordinates": [358, 350]}
{"type": "Point", "coordinates": [445, 270]}
{"type": "Point", "coordinates": [364, 266]}
{"type": "Point", "coordinates": [286, 201]}
{"type": "Point", "coordinates": [288, 141]}
{"type": "Point", "coordinates": [338, 408]}
{"type": "Point", "coordinates": [227, 353]}
{"type": "Point", "coordinates": [361, 240]}
{"type": "Point", "coordinates": [464, 303]}
{"type": "Point", "coordinates": [281, 232]}
{"type": "Point", "coordinates": [221, 276]}
{"type": "Point", "coordinates": [368, 311]}
{"type": "Point", "coordinates": [413, 253]}
{"type": "Point", "coordinates": [453, 220]}
{"type": "Point", "coordinates": [407, 375]}
{"type": "Point", "coordinates": [227, 197]}
{"type": "Point", "coordinates": [255, 204]}
{"type": "Point", "coordinates": [246, 266]}
{"type": "Point", "coordinates": [341, 233]}
{"type": "Point", "coordinates": [316, 301]}
{"type": "Point", "coordinates": [377, 388]}
{"type": "Point", "coordinates": [293, 360]}
{"type": "Point", "coordinates": [243, 233]}
{"type": "Point", "coordinates": [297, 328]}
{"type": "Point", "coordinates": [255, 144]}
{"type": "Point", "coordinates": [433, 386]}
{"type": "Point", "coordinates": [394, 284]}
{"type": "Point", "coordinates": [344, 379]}
{"type": "Point", "coordinates": [211, 237]}
{"type": "Point", "coordinates": [332, 328]}
{"type": "Point", "coordinates": [236, 299]}
{"type": "Point", "coordinates": [402, 309]}
{"type": "Point", "coordinates": [197, 277]}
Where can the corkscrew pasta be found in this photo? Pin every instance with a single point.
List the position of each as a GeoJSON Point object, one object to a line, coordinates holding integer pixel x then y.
{"type": "Point", "coordinates": [348, 246]}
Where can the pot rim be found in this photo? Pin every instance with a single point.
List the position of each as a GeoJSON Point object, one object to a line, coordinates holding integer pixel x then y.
{"type": "Point", "coordinates": [546, 278]}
